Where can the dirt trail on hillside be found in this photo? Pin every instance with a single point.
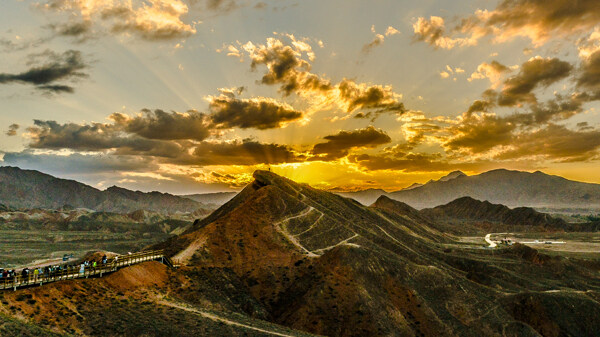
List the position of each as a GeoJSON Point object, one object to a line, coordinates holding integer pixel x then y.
{"type": "Point", "coordinates": [185, 255]}
{"type": "Point", "coordinates": [220, 319]}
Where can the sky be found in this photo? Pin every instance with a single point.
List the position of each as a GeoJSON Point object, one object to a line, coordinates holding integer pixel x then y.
{"type": "Point", "coordinates": [192, 96]}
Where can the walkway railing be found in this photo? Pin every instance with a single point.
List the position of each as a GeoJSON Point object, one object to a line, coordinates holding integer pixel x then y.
{"type": "Point", "coordinates": [74, 272]}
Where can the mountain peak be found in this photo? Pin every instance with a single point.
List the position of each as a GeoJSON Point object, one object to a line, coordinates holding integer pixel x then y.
{"type": "Point", "coordinates": [452, 175]}
{"type": "Point", "coordinates": [264, 178]}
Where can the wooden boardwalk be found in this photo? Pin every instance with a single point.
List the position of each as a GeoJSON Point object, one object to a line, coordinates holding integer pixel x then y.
{"type": "Point", "coordinates": [112, 265]}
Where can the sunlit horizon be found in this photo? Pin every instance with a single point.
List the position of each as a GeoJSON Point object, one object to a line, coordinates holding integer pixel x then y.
{"type": "Point", "coordinates": [193, 96]}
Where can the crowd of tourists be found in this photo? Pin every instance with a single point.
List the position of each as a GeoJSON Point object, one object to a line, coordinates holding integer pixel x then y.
{"type": "Point", "coordinates": [53, 271]}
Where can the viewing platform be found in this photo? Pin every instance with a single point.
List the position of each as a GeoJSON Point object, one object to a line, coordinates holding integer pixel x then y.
{"type": "Point", "coordinates": [112, 265]}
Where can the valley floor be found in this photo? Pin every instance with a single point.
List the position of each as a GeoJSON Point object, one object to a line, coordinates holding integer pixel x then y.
{"type": "Point", "coordinates": [573, 244]}
{"type": "Point", "coordinates": [26, 248]}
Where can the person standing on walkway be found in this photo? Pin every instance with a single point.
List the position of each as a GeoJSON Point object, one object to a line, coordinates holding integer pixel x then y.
{"type": "Point", "coordinates": [36, 272]}
{"type": "Point", "coordinates": [82, 269]}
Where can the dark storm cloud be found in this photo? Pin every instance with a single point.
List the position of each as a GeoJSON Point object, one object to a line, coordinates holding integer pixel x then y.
{"type": "Point", "coordinates": [338, 145]}
{"type": "Point", "coordinates": [589, 74]}
{"type": "Point", "coordinates": [409, 163]}
{"type": "Point", "coordinates": [477, 134]}
{"type": "Point", "coordinates": [126, 138]}
{"type": "Point", "coordinates": [159, 124]}
{"type": "Point", "coordinates": [57, 67]}
{"type": "Point", "coordinates": [245, 152]}
{"type": "Point", "coordinates": [559, 108]}
{"type": "Point", "coordinates": [376, 99]}
{"type": "Point", "coordinates": [258, 113]}
{"type": "Point", "coordinates": [537, 72]}
{"type": "Point", "coordinates": [555, 142]}
{"type": "Point", "coordinates": [480, 133]}
{"type": "Point", "coordinates": [97, 137]}
{"type": "Point", "coordinates": [12, 130]}
{"type": "Point", "coordinates": [480, 106]}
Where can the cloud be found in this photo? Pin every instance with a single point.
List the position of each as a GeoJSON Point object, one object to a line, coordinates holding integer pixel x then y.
{"type": "Point", "coordinates": [492, 71]}
{"type": "Point", "coordinates": [67, 66]}
{"type": "Point", "coordinates": [481, 106]}
{"type": "Point", "coordinates": [79, 30]}
{"type": "Point", "coordinates": [535, 19]}
{"type": "Point", "coordinates": [11, 46]}
{"type": "Point", "coordinates": [150, 20]}
{"type": "Point", "coordinates": [554, 142]}
{"type": "Point", "coordinates": [12, 130]}
{"type": "Point", "coordinates": [97, 137]}
{"type": "Point", "coordinates": [77, 163]}
{"type": "Point", "coordinates": [557, 109]}
{"type": "Point", "coordinates": [159, 135]}
{"type": "Point", "coordinates": [244, 152]}
{"type": "Point", "coordinates": [159, 124]}
{"type": "Point", "coordinates": [338, 145]}
{"type": "Point", "coordinates": [536, 72]}
{"type": "Point", "coordinates": [373, 98]}
{"type": "Point", "coordinates": [378, 39]}
{"type": "Point", "coordinates": [259, 113]}
{"type": "Point", "coordinates": [287, 67]}
{"type": "Point", "coordinates": [590, 45]}
{"type": "Point", "coordinates": [219, 7]}
{"type": "Point", "coordinates": [391, 31]}
{"type": "Point", "coordinates": [433, 32]}
{"type": "Point", "coordinates": [413, 162]}
{"type": "Point", "coordinates": [518, 90]}
{"type": "Point", "coordinates": [589, 74]}
{"type": "Point", "coordinates": [479, 133]}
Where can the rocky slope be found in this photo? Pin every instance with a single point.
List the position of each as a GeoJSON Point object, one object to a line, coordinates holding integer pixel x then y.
{"type": "Point", "coordinates": [216, 199]}
{"type": "Point", "coordinates": [285, 259]}
{"type": "Point", "coordinates": [140, 300]}
{"type": "Point", "coordinates": [321, 263]}
{"type": "Point", "coordinates": [365, 197]}
{"type": "Point", "coordinates": [28, 189]}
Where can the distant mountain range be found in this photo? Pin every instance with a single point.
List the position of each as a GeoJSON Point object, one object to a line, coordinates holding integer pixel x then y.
{"type": "Point", "coordinates": [28, 189]}
{"type": "Point", "coordinates": [510, 188]}
{"type": "Point", "coordinates": [218, 198]}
